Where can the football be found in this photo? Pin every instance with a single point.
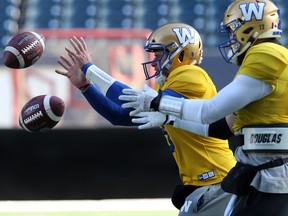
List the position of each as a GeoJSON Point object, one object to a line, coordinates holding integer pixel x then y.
{"type": "Point", "coordinates": [23, 50]}
{"type": "Point", "coordinates": [41, 113]}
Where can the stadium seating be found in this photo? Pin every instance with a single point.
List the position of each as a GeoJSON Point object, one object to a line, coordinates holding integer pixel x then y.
{"type": "Point", "coordinates": [10, 14]}
{"type": "Point", "coordinates": [205, 15]}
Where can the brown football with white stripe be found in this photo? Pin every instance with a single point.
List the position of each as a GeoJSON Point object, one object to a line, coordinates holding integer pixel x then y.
{"type": "Point", "coordinates": [23, 50]}
{"type": "Point", "coordinates": [41, 113]}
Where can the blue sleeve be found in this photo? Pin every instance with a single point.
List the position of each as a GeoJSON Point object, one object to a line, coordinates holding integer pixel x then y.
{"type": "Point", "coordinates": [172, 93]}
{"type": "Point", "coordinates": [115, 91]}
{"type": "Point", "coordinates": [109, 107]}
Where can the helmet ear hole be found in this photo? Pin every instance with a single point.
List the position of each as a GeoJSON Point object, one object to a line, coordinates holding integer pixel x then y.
{"type": "Point", "coordinates": [247, 31]}
{"type": "Point", "coordinates": [181, 56]}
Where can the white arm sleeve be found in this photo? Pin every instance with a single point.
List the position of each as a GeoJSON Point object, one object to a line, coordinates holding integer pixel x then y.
{"type": "Point", "coordinates": [194, 127]}
{"type": "Point", "coordinates": [240, 92]}
{"type": "Point", "coordinates": [99, 78]}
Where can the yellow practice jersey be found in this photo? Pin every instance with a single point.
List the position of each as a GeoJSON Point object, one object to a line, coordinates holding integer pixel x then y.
{"type": "Point", "coordinates": [201, 160]}
{"type": "Point", "coordinates": [267, 62]}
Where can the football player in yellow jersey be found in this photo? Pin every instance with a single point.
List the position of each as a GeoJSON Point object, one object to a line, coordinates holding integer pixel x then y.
{"type": "Point", "coordinates": [257, 95]}
{"type": "Point", "coordinates": [202, 161]}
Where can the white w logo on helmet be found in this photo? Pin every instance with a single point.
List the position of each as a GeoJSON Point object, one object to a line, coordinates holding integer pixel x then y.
{"type": "Point", "coordinates": [250, 9]}
{"type": "Point", "coordinates": [184, 34]}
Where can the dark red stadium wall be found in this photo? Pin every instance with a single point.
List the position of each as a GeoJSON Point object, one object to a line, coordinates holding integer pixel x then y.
{"type": "Point", "coordinates": [85, 164]}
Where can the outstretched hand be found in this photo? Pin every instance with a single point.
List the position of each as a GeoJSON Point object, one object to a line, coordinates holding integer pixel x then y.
{"type": "Point", "coordinates": [139, 100]}
{"type": "Point", "coordinates": [72, 70]}
{"type": "Point", "coordinates": [81, 53]}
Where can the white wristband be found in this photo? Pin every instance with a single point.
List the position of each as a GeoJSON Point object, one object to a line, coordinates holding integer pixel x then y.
{"type": "Point", "coordinates": [171, 105]}
{"type": "Point", "coordinates": [100, 79]}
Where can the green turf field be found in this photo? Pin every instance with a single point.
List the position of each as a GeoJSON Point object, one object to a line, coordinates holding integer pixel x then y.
{"type": "Point", "coordinates": [112, 213]}
{"type": "Point", "coordinates": [132, 207]}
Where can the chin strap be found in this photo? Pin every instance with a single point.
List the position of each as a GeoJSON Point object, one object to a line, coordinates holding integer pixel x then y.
{"type": "Point", "coordinates": [160, 79]}
{"type": "Point", "coordinates": [250, 42]}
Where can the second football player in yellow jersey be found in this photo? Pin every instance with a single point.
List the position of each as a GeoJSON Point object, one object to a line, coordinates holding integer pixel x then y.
{"type": "Point", "coordinates": [257, 95]}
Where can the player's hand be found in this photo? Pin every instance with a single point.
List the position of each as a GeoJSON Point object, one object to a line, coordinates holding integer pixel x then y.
{"type": "Point", "coordinates": [139, 100]}
{"type": "Point", "coordinates": [72, 70]}
{"type": "Point", "coordinates": [81, 52]}
{"type": "Point", "coordinates": [152, 119]}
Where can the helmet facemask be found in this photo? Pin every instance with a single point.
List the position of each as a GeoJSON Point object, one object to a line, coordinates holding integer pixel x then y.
{"type": "Point", "coordinates": [230, 48]}
{"type": "Point", "coordinates": [152, 47]}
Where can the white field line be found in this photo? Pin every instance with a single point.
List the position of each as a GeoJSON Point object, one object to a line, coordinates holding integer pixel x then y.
{"type": "Point", "coordinates": [88, 205]}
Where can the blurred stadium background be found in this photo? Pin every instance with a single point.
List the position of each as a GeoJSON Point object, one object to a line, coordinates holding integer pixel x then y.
{"type": "Point", "coordinates": [204, 15]}
{"type": "Point", "coordinates": [116, 31]}
{"type": "Point", "coordinates": [84, 157]}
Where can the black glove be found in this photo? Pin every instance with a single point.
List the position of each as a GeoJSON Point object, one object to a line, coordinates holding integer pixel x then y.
{"type": "Point", "coordinates": [180, 193]}
{"type": "Point", "coordinates": [156, 101]}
